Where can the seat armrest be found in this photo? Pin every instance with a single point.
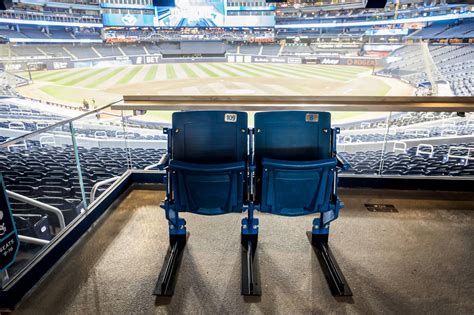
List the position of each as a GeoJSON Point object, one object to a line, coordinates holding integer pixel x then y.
{"type": "Point", "coordinates": [299, 165]}
{"type": "Point", "coordinates": [212, 168]}
{"type": "Point", "coordinates": [161, 164]}
{"type": "Point", "coordinates": [342, 163]}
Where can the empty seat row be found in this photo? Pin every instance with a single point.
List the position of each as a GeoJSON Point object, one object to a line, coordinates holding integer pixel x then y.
{"type": "Point", "coordinates": [287, 165]}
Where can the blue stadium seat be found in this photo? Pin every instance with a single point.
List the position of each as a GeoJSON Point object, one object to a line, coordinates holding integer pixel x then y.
{"type": "Point", "coordinates": [212, 169]}
{"type": "Point", "coordinates": [33, 225]}
{"type": "Point", "coordinates": [208, 161]}
{"type": "Point", "coordinates": [296, 172]}
{"type": "Point", "coordinates": [206, 168]}
{"type": "Point", "coordinates": [294, 162]}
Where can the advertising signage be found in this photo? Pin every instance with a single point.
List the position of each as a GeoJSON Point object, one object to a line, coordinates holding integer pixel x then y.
{"type": "Point", "coordinates": [9, 242]}
{"type": "Point", "coordinates": [128, 20]}
{"type": "Point", "coordinates": [189, 13]}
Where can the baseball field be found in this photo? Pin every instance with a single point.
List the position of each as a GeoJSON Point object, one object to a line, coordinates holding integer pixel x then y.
{"type": "Point", "coordinates": [102, 85]}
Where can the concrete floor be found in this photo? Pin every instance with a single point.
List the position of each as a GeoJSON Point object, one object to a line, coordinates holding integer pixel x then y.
{"type": "Point", "coordinates": [419, 260]}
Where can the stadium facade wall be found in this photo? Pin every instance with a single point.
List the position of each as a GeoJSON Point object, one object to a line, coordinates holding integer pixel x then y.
{"type": "Point", "coordinates": [61, 63]}
{"type": "Point", "coordinates": [37, 65]}
{"type": "Point", "coordinates": [344, 61]}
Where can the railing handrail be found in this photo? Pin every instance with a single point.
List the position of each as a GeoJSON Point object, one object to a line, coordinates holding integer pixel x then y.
{"type": "Point", "coordinates": [39, 204]}
{"type": "Point", "coordinates": [420, 149]}
{"type": "Point", "coordinates": [33, 240]}
{"type": "Point", "coordinates": [99, 184]}
{"type": "Point", "coordinates": [162, 162]}
{"type": "Point", "coordinates": [459, 148]}
{"type": "Point", "coordinates": [403, 147]}
{"type": "Point", "coordinates": [297, 102]}
{"type": "Point", "coordinates": [53, 126]}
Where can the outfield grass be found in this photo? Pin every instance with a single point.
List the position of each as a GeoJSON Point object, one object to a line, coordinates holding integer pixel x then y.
{"type": "Point", "coordinates": [170, 72]}
{"type": "Point", "coordinates": [247, 71]}
{"type": "Point", "coordinates": [63, 93]}
{"type": "Point", "coordinates": [83, 77]}
{"type": "Point", "coordinates": [130, 75]}
{"type": "Point", "coordinates": [224, 70]}
{"type": "Point", "coordinates": [67, 76]}
{"type": "Point", "coordinates": [309, 73]}
{"type": "Point", "coordinates": [110, 83]}
{"type": "Point", "coordinates": [105, 77]}
{"type": "Point", "coordinates": [189, 72]}
{"type": "Point", "coordinates": [45, 74]}
{"type": "Point", "coordinates": [207, 71]}
{"type": "Point", "coordinates": [151, 74]}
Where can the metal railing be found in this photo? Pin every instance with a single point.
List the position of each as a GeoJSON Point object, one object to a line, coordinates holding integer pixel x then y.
{"type": "Point", "coordinates": [100, 184]}
{"type": "Point", "coordinates": [41, 205]}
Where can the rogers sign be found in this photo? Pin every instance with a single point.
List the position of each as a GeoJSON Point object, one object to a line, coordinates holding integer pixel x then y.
{"type": "Point", "coordinates": [361, 62]}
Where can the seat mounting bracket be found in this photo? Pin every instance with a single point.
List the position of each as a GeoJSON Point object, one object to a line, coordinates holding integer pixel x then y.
{"type": "Point", "coordinates": [336, 280]}
{"type": "Point", "coordinates": [168, 274]}
{"type": "Point", "coordinates": [250, 273]}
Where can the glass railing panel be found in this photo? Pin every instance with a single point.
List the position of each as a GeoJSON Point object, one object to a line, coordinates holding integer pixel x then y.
{"type": "Point", "coordinates": [430, 144]}
{"type": "Point", "coordinates": [103, 151]}
{"type": "Point", "coordinates": [146, 140]}
{"type": "Point", "coordinates": [362, 140]}
{"type": "Point", "coordinates": [43, 187]}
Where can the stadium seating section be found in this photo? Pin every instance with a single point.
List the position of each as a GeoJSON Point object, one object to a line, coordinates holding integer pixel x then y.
{"type": "Point", "coordinates": [47, 171]}
{"type": "Point", "coordinates": [49, 174]}
{"type": "Point", "coordinates": [42, 34]}
{"type": "Point", "coordinates": [413, 144]}
{"type": "Point", "coordinates": [454, 63]}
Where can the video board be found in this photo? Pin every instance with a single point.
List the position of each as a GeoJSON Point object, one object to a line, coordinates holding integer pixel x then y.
{"type": "Point", "coordinates": [195, 13]}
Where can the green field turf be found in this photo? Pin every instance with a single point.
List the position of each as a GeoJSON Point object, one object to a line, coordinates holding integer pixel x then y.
{"type": "Point", "coordinates": [83, 77]}
{"type": "Point", "coordinates": [104, 78]}
{"type": "Point", "coordinates": [190, 73]}
{"type": "Point", "coordinates": [170, 72]}
{"type": "Point", "coordinates": [108, 84]}
{"type": "Point", "coordinates": [150, 75]}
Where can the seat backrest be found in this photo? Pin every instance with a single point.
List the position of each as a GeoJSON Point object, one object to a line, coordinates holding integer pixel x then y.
{"type": "Point", "coordinates": [293, 159]}
{"type": "Point", "coordinates": [210, 137]}
{"type": "Point", "coordinates": [292, 136]}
